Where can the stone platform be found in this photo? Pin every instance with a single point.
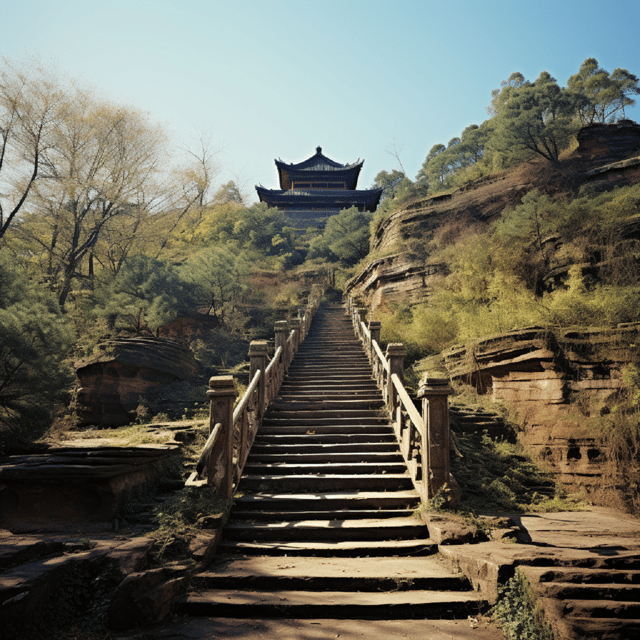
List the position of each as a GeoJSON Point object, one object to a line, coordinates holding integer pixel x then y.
{"type": "Point", "coordinates": [70, 483]}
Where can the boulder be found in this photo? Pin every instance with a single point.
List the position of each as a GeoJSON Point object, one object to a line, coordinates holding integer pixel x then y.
{"type": "Point", "coordinates": [113, 382]}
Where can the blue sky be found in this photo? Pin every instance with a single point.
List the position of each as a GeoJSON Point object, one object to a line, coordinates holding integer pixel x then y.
{"type": "Point", "coordinates": [276, 78]}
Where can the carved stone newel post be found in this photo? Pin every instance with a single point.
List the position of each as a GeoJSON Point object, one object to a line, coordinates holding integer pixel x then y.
{"type": "Point", "coordinates": [434, 392]}
{"type": "Point", "coordinates": [281, 330]}
{"type": "Point", "coordinates": [221, 393]}
{"type": "Point", "coordinates": [374, 329]}
{"type": "Point", "coordinates": [295, 325]}
{"type": "Point", "coordinates": [395, 356]}
{"type": "Point", "coordinates": [258, 356]}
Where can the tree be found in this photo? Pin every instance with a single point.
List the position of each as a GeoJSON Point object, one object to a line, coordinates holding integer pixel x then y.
{"type": "Point", "coordinates": [443, 163]}
{"type": "Point", "coordinates": [145, 295]}
{"type": "Point", "coordinates": [218, 276]}
{"type": "Point", "coordinates": [524, 231]}
{"type": "Point", "coordinates": [535, 118]}
{"type": "Point", "coordinates": [101, 163]}
{"type": "Point", "coordinates": [34, 343]}
{"type": "Point", "coordinates": [227, 193]}
{"type": "Point", "coordinates": [602, 97]}
{"type": "Point", "coordinates": [389, 182]}
{"type": "Point", "coordinates": [499, 96]}
{"type": "Point", "coordinates": [30, 105]}
{"type": "Point", "coordinates": [347, 235]}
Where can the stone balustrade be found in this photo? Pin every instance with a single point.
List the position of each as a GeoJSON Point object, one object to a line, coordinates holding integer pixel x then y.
{"type": "Point", "coordinates": [423, 439]}
{"type": "Point", "coordinates": [232, 431]}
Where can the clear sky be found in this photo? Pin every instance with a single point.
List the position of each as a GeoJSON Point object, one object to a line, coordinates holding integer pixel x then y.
{"type": "Point", "coordinates": [276, 78]}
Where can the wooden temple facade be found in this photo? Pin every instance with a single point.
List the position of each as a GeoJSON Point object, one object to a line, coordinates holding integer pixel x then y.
{"type": "Point", "coordinates": [317, 188]}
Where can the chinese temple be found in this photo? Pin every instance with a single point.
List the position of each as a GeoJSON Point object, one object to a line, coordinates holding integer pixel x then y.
{"type": "Point", "coordinates": [317, 188]}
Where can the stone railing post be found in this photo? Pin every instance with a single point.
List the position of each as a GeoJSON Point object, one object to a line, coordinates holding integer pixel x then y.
{"type": "Point", "coordinates": [281, 330]}
{"type": "Point", "coordinates": [295, 325]}
{"type": "Point", "coordinates": [374, 329]}
{"type": "Point", "coordinates": [434, 392]}
{"type": "Point", "coordinates": [395, 356]}
{"type": "Point", "coordinates": [221, 393]}
{"type": "Point", "coordinates": [258, 357]}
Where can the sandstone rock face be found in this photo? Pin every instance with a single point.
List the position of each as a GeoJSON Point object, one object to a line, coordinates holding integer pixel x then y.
{"type": "Point", "coordinates": [609, 140]}
{"type": "Point", "coordinates": [112, 383]}
{"type": "Point", "coordinates": [537, 372]}
{"type": "Point", "coordinates": [405, 272]}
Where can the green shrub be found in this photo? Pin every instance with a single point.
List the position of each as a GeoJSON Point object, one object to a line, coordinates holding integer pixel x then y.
{"type": "Point", "coordinates": [517, 612]}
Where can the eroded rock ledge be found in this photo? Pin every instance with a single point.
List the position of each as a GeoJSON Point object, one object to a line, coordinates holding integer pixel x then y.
{"type": "Point", "coordinates": [544, 374]}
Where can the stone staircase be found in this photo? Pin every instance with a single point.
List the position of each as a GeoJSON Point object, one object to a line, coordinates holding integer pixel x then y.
{"type": "Point", "coordinates": [324, 525]}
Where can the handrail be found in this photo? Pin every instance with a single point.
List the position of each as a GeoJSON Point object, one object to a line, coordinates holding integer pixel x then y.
{"type": "Point", "coordinates": [271, 364]}
{"type": "Point", "coordinates": [206, 450]}
{"type": "Point", "coordinates": [420, 437]}
{"type": "Point", "coordinates": [232, 431]}
{"type": "Point", "coordinates": [378, 351]}
{"type": "Point", "coordinates": [241, 406]}
{"type": "Point", "coordinates": [407, 402]}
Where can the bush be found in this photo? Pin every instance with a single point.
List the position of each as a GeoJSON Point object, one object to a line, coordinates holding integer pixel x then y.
{"type": "Point", "coordinates": [34, 342]}
{"type": "Point", "coordinates": [519, 616]}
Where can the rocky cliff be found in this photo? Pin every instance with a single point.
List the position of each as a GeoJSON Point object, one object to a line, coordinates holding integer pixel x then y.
{"type": "Point", "coordinates": [543, 375]}
{"type": "Point", "coordinates": [607, 155]}
{"type": "Point", "coordinates": [112, 383]}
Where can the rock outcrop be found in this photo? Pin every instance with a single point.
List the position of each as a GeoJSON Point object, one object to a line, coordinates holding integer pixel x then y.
{"type": "Point", "coordinates": [539, 372]}
{"type": "Point", "coordinates": [607, 156]}
{"type": "Point", "coordinates": [112, 383]}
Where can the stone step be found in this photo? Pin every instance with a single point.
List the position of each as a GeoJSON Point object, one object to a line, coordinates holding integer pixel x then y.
{"type": "Point", "coordinates": [273, 418]}
{"type": "Point", "coordinates": [325, 468]}
{"type": "Point", "coordinates": [325, 483]}
{"type": "Point", "coordinates": [331, 604]}
{"type": "Point", "coordinates": [321, 457]}
{"type": "Point", "coordinates": [588, 576]}
{"type": "Point", "coordinates": [353, 500]}
{"type": "Point", "coordinates": [313, 387]}
{"type": "Point", "coordinates": [373, 448]}
{"type": "Point", "coordinates": [331, 438]}
{"type": "Point", "coordinates": [332, 549]}
{"type": "Point", "coordinates": [333, 514]}
{"type": "Point", "coordinates": [608, 628]}
{"type": "Point", "coordinates": [320, 395]}
{"type": "Point", "coordinates": [596, 608]}
{"type": "Point", "coordinates": [361, 529]}
{"type": "Point", "coordinates": [593, 591]}
{"type": "Point", "coordinates": [307, 574]}
{"type": "Point", "coordinates": [337, 374]}
{"type": "Point", "coordinates": [324, 405]}
{"type": "Point", "coordinates": [324, 429]}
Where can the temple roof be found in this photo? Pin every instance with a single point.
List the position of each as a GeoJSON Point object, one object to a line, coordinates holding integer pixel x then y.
{"type": "Point", "coordinates": [308, 198]}
{"type": "Point", "coordinates": [316, 167]}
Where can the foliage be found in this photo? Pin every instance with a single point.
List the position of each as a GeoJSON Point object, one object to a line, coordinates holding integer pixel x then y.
{"type": "Point", "coordinates": [536, 118]}
{"type": "Point", "coordinates": [444, 164]}
{"type": "Point", "coordinates": [34, 341]}
{"type": "Point", "coordinates": [345, 237]}
{"type": "Point", "coordinates": [519, 615]}
{"type": "Point", "coordinates": [177, 520]}
{"type": "Point", "coordinates": [218, 277]}
{"type": "Point", "coordinates": [257, 229]}
{"type": "Point", "coordinates": [602, 97]}
{"type": "Point", "coordinates": [145, 295]}
{"type": "Point", "coordinates": [498, 477]}
{"type": "Point", "coordinates": [390, 182]}
{"type": "Point", "coordinates": [616, 424]}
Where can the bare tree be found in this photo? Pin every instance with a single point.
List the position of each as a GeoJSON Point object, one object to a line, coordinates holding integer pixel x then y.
{"type": "Point", "coordinates": [30, 104]}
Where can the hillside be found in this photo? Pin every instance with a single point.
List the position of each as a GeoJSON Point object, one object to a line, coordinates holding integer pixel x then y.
{"type": "Point", "coordinates": [541, 317]}
{"type": "Point", "coordinates": [607, 157]}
